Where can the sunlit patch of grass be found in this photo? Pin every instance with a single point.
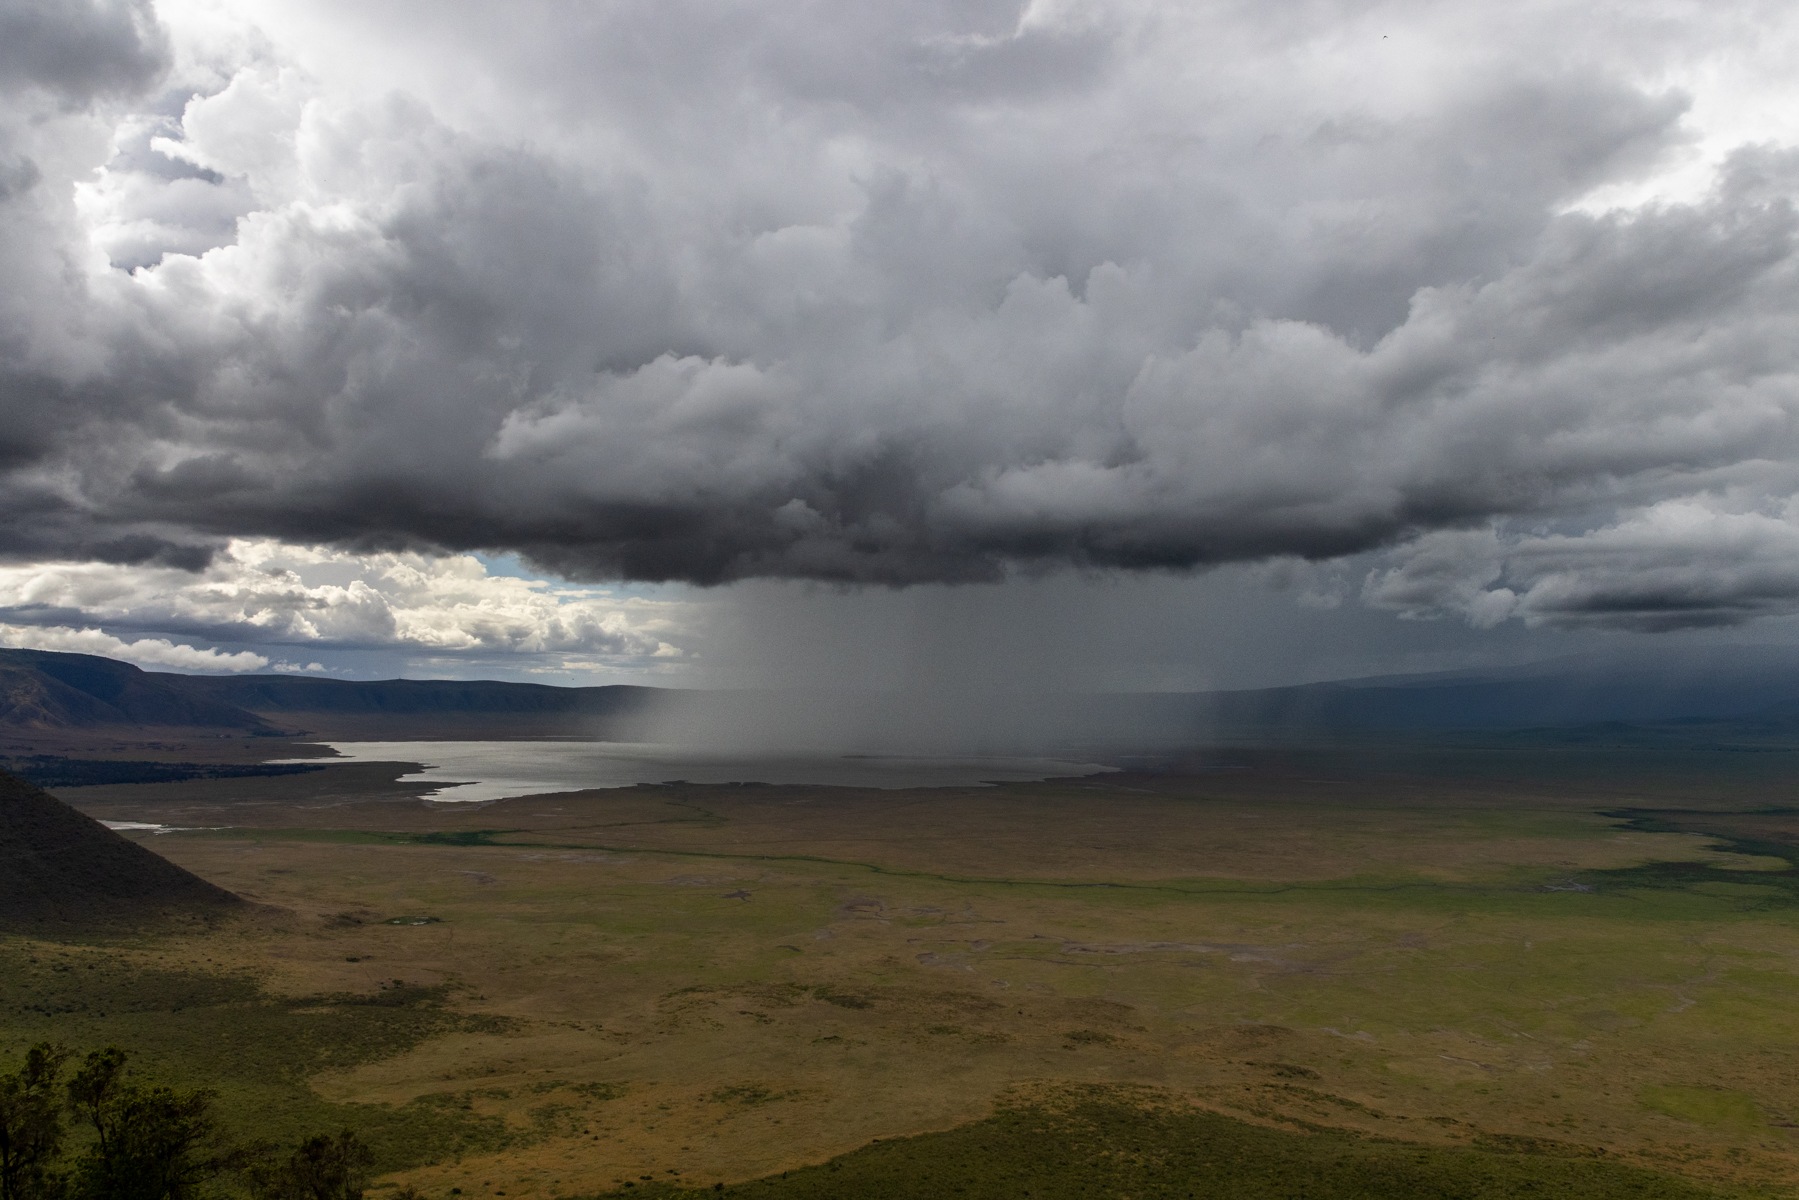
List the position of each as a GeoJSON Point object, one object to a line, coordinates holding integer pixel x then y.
{"type": "Point", "coordinates": [1713, 1106]}
{"type": "Point", "coordinates": [1107, 1142]}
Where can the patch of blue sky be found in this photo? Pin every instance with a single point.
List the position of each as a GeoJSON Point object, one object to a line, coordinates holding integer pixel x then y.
{"type": "Point", "coordinates": [511, 566]}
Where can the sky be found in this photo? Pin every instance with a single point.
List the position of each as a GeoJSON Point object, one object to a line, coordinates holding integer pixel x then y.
{"type": "Point", "coordinates": [1140, 345]}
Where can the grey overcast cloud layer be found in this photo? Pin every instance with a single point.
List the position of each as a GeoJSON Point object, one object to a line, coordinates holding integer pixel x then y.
{"type": "Point", "coordinates": [1491, 305]}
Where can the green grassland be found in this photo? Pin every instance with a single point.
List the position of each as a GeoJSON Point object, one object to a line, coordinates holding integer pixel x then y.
{"type": "Point", "coordinates": [218, 1030]}
{"type": "Point", "coordinates": [1463, 971]}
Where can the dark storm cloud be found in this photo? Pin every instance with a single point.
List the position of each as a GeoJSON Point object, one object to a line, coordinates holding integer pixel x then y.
{"type": "Point", "coordinates": [930, 293]}
{"type": "Point", "coordinates": [79, 49]}
{"type": "Point", "coordinates": [1688, 564]}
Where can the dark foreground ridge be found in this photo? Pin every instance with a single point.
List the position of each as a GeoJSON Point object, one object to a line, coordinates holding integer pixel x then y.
{"type": "Point", "coordinates": [58, 867]}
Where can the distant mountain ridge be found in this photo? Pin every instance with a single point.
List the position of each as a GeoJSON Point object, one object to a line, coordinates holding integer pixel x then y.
{"type": "Point", "coordinates": [48, 690]}
{"type": "Point", "coordinates": [1686, 684]}
{"type": "Point", "coordinates": [43, 689]}
{"type": "Point", "coordinates": [298, 694]}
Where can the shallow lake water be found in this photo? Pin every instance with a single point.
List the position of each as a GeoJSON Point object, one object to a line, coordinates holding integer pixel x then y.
{"type": "Point", "coordinates": [479, 771]}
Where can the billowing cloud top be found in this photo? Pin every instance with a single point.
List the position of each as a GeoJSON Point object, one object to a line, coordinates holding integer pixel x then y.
{"type": "Point", "coordinates": [919, 292]}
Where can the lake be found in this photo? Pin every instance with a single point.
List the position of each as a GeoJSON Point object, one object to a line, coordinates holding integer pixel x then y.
{"type": "Point", "coordinates": [472, 772]}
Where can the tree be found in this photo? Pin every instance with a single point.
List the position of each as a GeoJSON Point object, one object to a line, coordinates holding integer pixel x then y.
{"type": "Point", "coordinates": [323, 1168]}
{"type": "Point", "coordinates": [149, 1143]}
{"type": "Point", "coordinates": [31, 1129]}
{"type": "Point", "coordinates": [94, 1088]}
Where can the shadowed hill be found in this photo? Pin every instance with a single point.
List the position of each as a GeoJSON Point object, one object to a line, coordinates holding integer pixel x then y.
{"type": "Point", "coordinates": [45, 690]}
{"type": "Point", "coordinates": [60, 867]}
{"type": "Point", "coordinates": [411, 697]}
{"type": "Point", "coordinates": [41, 689]}
{"type": "Point", "coordinates": [1676, 684]}
{"type": "Point", "coordinates": [405, 709]}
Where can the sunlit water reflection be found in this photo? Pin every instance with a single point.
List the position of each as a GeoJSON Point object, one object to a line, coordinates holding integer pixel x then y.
{"type": "Point", "coordinates": [478, 771]}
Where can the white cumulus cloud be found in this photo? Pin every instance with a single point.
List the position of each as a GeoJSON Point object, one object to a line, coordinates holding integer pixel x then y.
{"type": "Point", "coordinates": [145, 652]}
{"type": "Point", "coordinates": [271, 594]}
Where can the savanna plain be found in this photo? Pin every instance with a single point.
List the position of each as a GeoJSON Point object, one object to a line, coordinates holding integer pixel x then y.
{"type": "Point", "coordinates": [1517, 966]}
